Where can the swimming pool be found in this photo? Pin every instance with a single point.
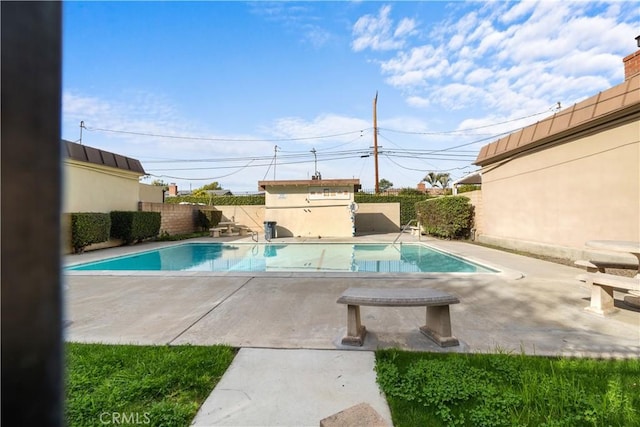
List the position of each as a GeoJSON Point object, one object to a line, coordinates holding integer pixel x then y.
{"type": "Point", "coordinates": [290, 257]}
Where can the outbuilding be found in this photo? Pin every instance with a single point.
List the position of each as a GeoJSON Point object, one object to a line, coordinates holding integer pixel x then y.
{"type": "Point", "coordinates": [311, 208]}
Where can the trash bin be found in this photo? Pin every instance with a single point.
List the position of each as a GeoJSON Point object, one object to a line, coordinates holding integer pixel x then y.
{"type": "Point", "coordinates": [269, 230]}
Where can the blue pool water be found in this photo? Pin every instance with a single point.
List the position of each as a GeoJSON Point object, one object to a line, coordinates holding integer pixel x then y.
{"type": "Point", "coordinates": [310, 257]}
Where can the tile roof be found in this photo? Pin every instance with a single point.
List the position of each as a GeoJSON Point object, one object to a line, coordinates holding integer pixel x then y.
{"type": "Point", "coordinates": [621, 99]}
{"type": "Point", "coordinates": [311, 182]}
{"type": "Point", "coordinates": [84, 153]}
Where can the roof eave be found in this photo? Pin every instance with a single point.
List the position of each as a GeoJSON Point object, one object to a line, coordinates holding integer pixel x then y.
{"type": "Point", "coordinates": [616, 117]}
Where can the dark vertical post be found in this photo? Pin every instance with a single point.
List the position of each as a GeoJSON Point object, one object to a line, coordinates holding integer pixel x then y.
{"type": "Point", "coordinates": [30, 228]}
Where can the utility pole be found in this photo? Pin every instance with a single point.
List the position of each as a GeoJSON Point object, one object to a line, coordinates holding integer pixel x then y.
{"type": "Point", "coordinates": [375, 140]}
{"type": "Point", "coordinates": [275, 155]}
{"type": "Point", "coordinates": [81, 127]}
{"type": "Point", "coordinates": [315, 163]}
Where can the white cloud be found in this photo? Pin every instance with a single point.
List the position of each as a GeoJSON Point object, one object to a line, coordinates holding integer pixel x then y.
{"type": "Point", "coordinates": [322, 125]}
{"type": "Point", "coordinates": [518, 11]}
{"type": "Point", "coordinates": [407, 26]}
{"type": "Point", "coordinates": [479, 75]}
{"type": "Point", "coordinates": [378, 33]}
{"type": "Point", "coordinates": [418, 101]}
{"type": "Point", "coordinates": [502, 57]}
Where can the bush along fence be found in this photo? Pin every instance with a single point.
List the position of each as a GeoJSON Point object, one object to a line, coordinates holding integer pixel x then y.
{"type": "Point", "coordinates": [253, 199]}
{"type": "Point", "coordinates": [208, 218]}
{"type": "Point", "coordinates": [134, 226]}
{"type": "Point", "coordinates": [448, 217]}
{"type": "Point", "coordinates": [88, 228]}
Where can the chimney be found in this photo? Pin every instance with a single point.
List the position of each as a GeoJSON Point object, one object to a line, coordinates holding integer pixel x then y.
{"type": "Point", "coordinates": [632, 63]}
{"type": "Point", "coordinates": [422, 187]}
{"type": "Point", "coordinates": [173, 189]}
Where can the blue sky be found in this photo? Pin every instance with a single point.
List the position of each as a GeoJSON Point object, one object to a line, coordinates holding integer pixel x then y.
{"type": "Point", "coordinates": [206, 91]}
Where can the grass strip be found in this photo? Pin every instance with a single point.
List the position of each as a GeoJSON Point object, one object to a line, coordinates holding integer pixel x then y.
{"type": "Point", "coordinates": [438, 389]}
{"type": "Point", "coordinates": [133, 385]}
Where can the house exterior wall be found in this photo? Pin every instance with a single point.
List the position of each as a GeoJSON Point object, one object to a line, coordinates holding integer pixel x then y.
{"type": "Point", "coordinates": [564, 195]}
{"type": "Point", "coordinates": [300, 211]}
{"type": "Point", "coordinates": [96, 188]}
{"type": "Point", "coordinates": [378, 218]}
{"type": "Point", "coordinates": [251, 216]}
{"type": "Point", "coordinates": [151, 193]}
{"type": "Point", "coordinates": [475, 198]}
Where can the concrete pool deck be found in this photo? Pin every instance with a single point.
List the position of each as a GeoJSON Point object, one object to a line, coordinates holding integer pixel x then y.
{"type": "Point", "coordinates": [292, 369]}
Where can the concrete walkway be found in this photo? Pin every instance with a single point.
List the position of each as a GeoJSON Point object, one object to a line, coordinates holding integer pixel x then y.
{"type": "Point", "coordinates": [292, 369]}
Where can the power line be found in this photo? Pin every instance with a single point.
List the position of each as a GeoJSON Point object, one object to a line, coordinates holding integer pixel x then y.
{"type": "Point", "coordinates": [199, 138]}
{"type": "Point", "coordinates": [237, 159]}
{"type": "Point", "coordinates": [459, 131]}
{"type": "Point", "coordinates": [203, 179]}
{"type": "Point", "coordinates": [339, 157]}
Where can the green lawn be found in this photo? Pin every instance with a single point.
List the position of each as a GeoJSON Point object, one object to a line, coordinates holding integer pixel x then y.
{"type": "Point", "coordinates": [434, 389]}
{"type": "Point", "coordinates": [140, 385]}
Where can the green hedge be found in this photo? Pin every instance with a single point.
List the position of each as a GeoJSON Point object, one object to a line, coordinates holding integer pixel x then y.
{"type": "Point", "coordinates": [208, 219]}
{"type": "Point", "coordinates": [253, 199]}
{"type": "Point", "coordinates": [134, 226]}
{"type": "Point", "coordinates": [465, 188]}
{"type": "Point", "coordinates": [407, 203]}
{"type": "Point", "coordinates": [88, 228]}
{"type": "Point", "coordinates": [449, 217]}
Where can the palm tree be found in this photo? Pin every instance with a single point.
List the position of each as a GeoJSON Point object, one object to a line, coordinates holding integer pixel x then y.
{"type": "Point", "coordinates": [431, 178]}
{"type": "Point", "coordinates": [444, 179]}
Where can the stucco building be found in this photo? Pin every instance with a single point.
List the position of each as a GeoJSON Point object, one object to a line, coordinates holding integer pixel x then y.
{"type": "Point", "coordinates": [311, 208]}
{"type": "Point", "coordinates": [100, 181]}
{"type": "Point", "coordinates": [572, 177]}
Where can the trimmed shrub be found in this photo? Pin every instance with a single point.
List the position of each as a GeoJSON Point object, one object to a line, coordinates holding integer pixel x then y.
{"type": "Point", "coordinates": [134, 226]}
{"type": "Point", "coordinates": [468, 187]}
{"type": "Point", "coordinates": [449, 217]}
{"type": "Point", "coordinates": [410, 191]}
{"type": "Point", "coordinates": [407, 203]}
{"type": "Point", "coordinates": [252, 199]}
{"type": "Point", "coordinates": [88, 228]}
{"type": "Point", "coordinates": [208, 219]}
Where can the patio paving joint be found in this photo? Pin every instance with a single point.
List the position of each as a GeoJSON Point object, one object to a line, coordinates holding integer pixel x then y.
{"type": "Point", "coordinates": [209, 311]}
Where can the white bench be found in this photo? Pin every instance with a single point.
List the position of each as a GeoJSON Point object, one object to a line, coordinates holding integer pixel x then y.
{"type": "Point", "coordinates": [595, 266]}
{"type": "Point", "coordinates": [215, 232]}
{"type": "Point", "coordinates": [438, 324]}
{"type": "Point", "coordinates": [602, 287]}
{"type": "Point", "coordinates": [242, 230]}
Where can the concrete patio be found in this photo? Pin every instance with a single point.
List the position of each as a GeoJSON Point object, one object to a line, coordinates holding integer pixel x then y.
{"type": "Point", "coordinates": [289, 326]}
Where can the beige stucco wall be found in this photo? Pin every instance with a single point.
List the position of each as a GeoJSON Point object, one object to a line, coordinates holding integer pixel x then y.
{"type": "Point", "coordinates": [251, 216]}
{"type": "Point", "coordinates": [95, 188]}
{"type": "Point", "coordinates": [567, 194]}
{"type": "Point", "coordinates": [150, 193]}
{"type": "Point", "coordinates": [298, 213]}
{"type": "Point", "coordinates": [378, 217]}
{"type": "Point", "coordinates": [475, 198]}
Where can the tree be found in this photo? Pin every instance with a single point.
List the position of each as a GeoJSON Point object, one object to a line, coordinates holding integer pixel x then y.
{"type": "Point", "coordinates": [444, 179]}
{"type": "Point", "coordinates": [408, 191]}
{"type": "Point", "coordinates": [431, 178]}
{"type": "Point", "coordinates": [385, 184]}
{"type": "Point", "coordinates": [441, 180]}
{"type": "Point", "coordinates": [201, 191]}
{"type": "Point", "coordinates": [160, 183]}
